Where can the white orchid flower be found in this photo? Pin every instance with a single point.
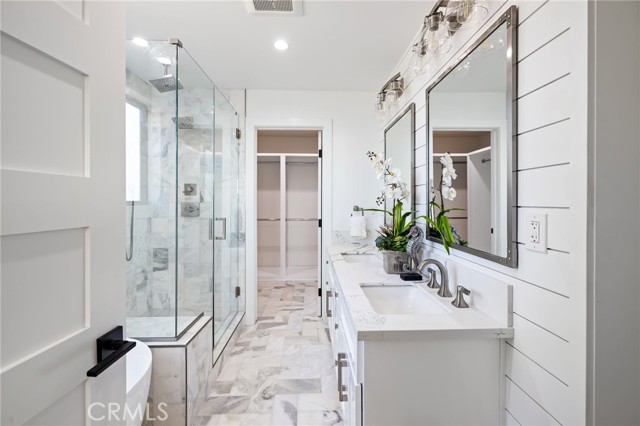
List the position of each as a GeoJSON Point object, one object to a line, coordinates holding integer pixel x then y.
{"type": "Point", "coordinates": [394, 175]}
{"type": "Point", "coordinates": [446, 160]}
{"type": "Point", "coordinates": [405, 190]}
{"type": "Point", "coordinates": [448, 192]}
{"type": "Point", "coordinates": [393, 191]}
{"type": "Point", "coordinates": [446, 180]}
{"type": "Point", "coordinates": [450, 172]}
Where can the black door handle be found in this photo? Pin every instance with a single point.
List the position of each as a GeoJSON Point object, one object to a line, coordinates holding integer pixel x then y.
{"type": "Point", "coordinates": [111, 347]}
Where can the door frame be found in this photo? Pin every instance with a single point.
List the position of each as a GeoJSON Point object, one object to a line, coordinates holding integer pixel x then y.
{"type": "Point", "coordinates": [252, 127]}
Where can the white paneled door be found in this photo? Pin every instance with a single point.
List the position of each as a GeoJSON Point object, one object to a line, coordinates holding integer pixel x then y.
{"type": "Point", "coordinates": [62, 209]}
{"type": "Point", "coordinates": [320, 246]}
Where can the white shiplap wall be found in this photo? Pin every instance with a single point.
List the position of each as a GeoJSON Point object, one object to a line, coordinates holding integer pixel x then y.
{"type": "Point", "coordinates": [545, 380]}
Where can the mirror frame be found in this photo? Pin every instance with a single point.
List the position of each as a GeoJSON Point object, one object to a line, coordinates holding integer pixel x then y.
{"type": "Point", "coordinates": [412, 109]}
{"type": "Point", "coordinates": [510, 16]}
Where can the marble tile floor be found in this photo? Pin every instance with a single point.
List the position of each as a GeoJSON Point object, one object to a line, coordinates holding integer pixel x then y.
{"type": "Point", "coordinates": [292, 274]}
{"type": "Point", "coordinates": [281, 371]}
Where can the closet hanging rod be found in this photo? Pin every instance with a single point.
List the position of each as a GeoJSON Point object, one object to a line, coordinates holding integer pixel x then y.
{"type": "Point", "coordinates": [289, 219]}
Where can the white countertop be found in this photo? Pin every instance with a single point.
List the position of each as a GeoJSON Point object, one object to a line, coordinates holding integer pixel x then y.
{"type": "Point", "coordinates": [369, 325]}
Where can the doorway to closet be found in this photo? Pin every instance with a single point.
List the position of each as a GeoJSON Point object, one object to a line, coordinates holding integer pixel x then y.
{"type": "Point", "coordinates": [289, 179]}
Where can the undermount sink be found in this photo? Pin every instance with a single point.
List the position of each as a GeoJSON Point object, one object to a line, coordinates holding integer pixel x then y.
{"type": "Point", "coordinates": [361, 258]}
{"type": "Point", "coordinates": [402, 300]}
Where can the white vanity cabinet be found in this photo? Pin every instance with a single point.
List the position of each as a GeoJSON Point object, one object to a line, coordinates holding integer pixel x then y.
{"type": "Point", "coordinates": [344, 353]}
{"type": "Point", "coordinates": [391, 372]}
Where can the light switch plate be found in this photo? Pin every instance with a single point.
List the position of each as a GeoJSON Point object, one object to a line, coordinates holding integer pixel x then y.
{"type": "Point", "coordinates": [536, 234]}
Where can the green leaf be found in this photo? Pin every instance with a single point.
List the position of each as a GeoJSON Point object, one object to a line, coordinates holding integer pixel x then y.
{"type": "Point", "coordinates": [433, 203]}
{"type": "Point", "coordinates": [433, 224]}
{"type": "Point", "coordinates": [450, 210]}
{"type": "Point", "coordinates": [378, 210]}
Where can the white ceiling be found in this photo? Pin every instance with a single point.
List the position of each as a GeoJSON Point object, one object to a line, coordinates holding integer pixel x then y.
{"type": "Point", "coordinates": [334, 45]}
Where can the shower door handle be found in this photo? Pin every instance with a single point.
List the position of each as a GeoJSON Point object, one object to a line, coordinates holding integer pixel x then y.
{"type": "Point", "coordinates": [211, 229]}
{"type": "Point", "coordinates": [224, 228]}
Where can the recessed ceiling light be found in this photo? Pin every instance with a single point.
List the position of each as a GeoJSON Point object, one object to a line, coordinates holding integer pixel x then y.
{"type": "Point", "coordinates": [140, 42]}
{"type": "Point", "coordinates": [164, 60]}
{"type": "Point", "coordinates": [281, 45]}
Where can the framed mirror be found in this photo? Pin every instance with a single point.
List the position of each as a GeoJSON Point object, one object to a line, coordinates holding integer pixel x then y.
{"type": "Point", "coordinates": [472, 120]}
{"type": "Point", "coordinates": [399, 145]}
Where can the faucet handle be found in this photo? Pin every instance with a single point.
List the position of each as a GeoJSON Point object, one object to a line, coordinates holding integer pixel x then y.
{"type": "Point", "coordinates": [433, 281]}
{"type": "Point", "coordinates": [459, 301]}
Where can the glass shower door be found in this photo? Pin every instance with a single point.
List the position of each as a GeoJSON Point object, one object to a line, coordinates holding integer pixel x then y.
{"type": "Point", "coordinates": [195, 127]}
{"type": "Point", "coordinates": [225, 215]}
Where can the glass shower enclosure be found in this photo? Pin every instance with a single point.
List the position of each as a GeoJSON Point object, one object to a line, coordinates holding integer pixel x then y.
{"type": "Point", "coordinates": [182, 195]}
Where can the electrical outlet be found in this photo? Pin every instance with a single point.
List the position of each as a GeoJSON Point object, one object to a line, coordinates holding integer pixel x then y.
{"type": "Point", "coordinates": [537, 233]}
{"type": "Point", "coordinates": [534, 231]}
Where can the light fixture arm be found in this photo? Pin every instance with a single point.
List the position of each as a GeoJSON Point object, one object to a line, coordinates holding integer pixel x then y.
{"type": "Point", "coordinates": [385, 88]}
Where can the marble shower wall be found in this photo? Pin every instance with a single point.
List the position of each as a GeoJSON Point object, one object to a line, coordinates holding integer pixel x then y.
{"type": "Point", "coordinates": [151, 275]}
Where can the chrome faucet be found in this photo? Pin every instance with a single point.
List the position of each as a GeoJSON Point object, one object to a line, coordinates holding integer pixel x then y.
{"type": "Point", "coordinates": [459, 301]}
{"type": "Point", "coordinates": [433, 282]}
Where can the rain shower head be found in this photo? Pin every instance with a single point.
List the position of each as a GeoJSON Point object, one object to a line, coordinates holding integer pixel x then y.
{"type": "Point", "coordinates": [183, 122]}
{"type": "Point", "coordinates": [166, 83]}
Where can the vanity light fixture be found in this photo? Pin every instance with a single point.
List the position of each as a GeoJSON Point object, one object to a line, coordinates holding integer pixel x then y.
{"type": "Point", "coordinates": [445, 19]}
{"type": "Point", "coordinates": [381, 109]}
{"type": "Point", "coordinates": [389, 94]}
{"type": "Point", "coordinates": [433, 41]}
{"type": "Point", "coordinates": [466, 12]}
{"type": "Point", "coordinates": [436, 35]}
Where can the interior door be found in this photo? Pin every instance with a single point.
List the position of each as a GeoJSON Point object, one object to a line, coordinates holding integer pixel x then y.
{"type": "Point", "coordinates": [62, 212]}
{"type": "Point", "coordinates": [320, 248]}
{"type": "Point", "coordinates": [479, 190]}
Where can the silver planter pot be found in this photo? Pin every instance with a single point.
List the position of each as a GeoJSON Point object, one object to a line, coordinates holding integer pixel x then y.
{"type": "Point", "coordinates": [393, 261]}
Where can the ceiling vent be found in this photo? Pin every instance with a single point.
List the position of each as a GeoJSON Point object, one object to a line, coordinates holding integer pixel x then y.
{"type": "Point", "coordinates": [275, 7]}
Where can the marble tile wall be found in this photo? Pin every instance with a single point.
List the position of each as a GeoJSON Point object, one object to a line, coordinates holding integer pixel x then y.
{"type": "Point", "coordinates": [151, 272]}
{"type": "Point", "coordinates": [199, 361]}
{"type": "Point", "coordinates": [168, 387]}
{"type": "Point", "coordinates": [180, 376]}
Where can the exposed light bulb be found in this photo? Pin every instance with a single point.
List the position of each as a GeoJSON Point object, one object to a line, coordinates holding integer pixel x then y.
{"type": "Point", "coordinates": [469, 11]}
{"type": "Point", "coordinates": [140, 42]}
{"type": "Point", "coordinates": [392, 96]}
{"type": "Point", "coordinates": [381, 109]}
{"type": "Point", "coordinates": [421, 64]}
{"type": "Point", "coordinates": [436, 39]}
